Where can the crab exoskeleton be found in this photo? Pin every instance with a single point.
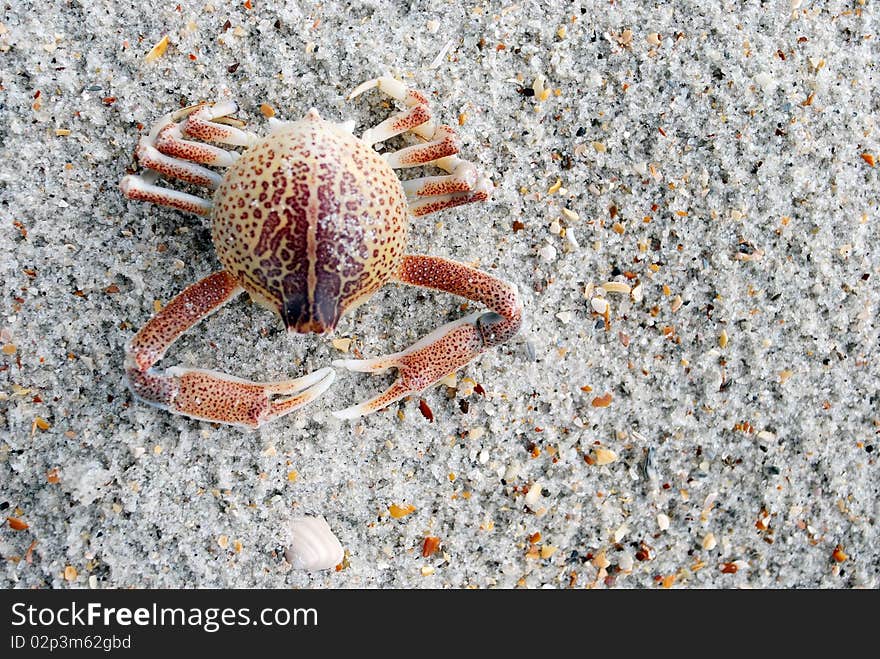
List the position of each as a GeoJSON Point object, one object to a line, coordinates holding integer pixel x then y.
{"type": "Point", "coordinates": [310, 221]}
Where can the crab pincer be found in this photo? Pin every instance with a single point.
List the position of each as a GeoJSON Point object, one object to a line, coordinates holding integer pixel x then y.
{"type": "Point", "coordinates": [204, 394]}
{"type": "Point", "coordinates": [449, 347]}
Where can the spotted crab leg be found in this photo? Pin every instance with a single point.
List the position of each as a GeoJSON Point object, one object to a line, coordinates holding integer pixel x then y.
{"type": "Point", "coordinates": [430, 194]}
{"type": "Point", "coordinates": [451, 346]}
{"type": "Point", "coordinates": [435, 193]}
{"type": "Point", "coordinates": [166, 152]}
{"type": "Point", "coordinates": [203, 394]}
{"type": "Point", "coordinates": [417, 117]}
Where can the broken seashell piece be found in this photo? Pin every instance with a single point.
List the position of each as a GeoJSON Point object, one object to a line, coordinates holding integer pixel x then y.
{"type": "Point", "coordinates": [312, 545]}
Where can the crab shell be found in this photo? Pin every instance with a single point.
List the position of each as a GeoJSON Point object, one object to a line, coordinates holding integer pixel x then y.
{"type": "Point", "coordinates": [311, 221]}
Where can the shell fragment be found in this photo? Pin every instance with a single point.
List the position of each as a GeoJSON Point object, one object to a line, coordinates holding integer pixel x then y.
{"type": "Point", "coordinates": [312, 545]}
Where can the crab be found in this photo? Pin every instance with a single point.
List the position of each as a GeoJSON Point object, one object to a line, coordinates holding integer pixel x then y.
{"type": "Point", "coordinates": [310, 221]}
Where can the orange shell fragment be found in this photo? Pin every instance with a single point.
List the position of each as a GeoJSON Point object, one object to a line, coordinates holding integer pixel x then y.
{"type": "Point", "coordinates": [158, 50]}
{"type": "Point", "coordinates": [397, 512]}
{"type": "Point", "coordinates": [431, 545]}
{"type": "Point", "coordinates": [602, 401]}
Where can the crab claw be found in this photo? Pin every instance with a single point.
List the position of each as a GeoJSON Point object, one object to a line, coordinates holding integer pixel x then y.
{"type": "Point", "coordinates": [203, 394]}
{"type": "Point", "coordinates": [424, 364]}
{"type": "Point", "coordinates": [453, 345]}
{"type": "Point", "coordinates": [213, 396]}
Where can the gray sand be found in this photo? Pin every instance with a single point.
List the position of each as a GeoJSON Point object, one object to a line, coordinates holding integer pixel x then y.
{"type": "Point", "coordinates": [710, 153]}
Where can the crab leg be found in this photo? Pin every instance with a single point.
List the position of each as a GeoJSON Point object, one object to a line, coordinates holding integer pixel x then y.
{"type": "Point", "coordinates": [429, 194]}
{"type": "Point", "coordinates": [142, 187]}
{"type": "Point", "coordinates": [444, 143]}
{"type": "Point", "coordinates": [451, 346]}
{"type": "Point", "coordinates": [203, 394]}
{"type": "Point", "coordinates": [416, 119]}
{"type": "Point", "coordinates": [166, 152]}
{"type": "Point", "coordinates": [402, 122]}
{"type": "Point", "coordinates": [464, 185]}
{"type": "Point", "coordinates": [214, 123]}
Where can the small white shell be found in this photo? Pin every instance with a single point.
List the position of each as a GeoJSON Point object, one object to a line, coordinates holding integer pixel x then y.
{"type": "Point", "coordinates": [312, 545]}
{"type": "Point", "coordinates": [533, 496]}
